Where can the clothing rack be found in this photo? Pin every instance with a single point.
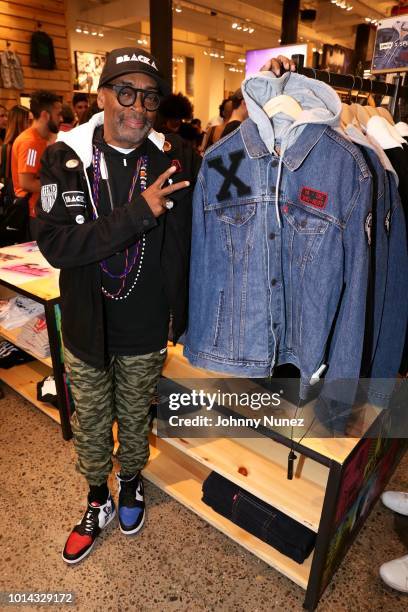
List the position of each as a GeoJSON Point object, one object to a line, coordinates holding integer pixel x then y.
{"type": "Point", "coordinates": [350, 82]}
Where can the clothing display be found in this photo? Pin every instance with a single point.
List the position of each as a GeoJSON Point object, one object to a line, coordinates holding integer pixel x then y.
{"type": "Point", "coordinates": [11, 355]}
{"type": "Point", "coordinates": [11, 70]}
{"type": "Point", "coordinates": [42, 55]}
{"type": "Point", "coordinates": [16, 311]}
{"type": "Point", "coordinates": [259, 518]}
{"type": "Point", "coordinates": [47, 391]}
{"type": "Point", "coordinates": [34, 336]}
{"type": "Point", "coordinates": [284, 260]}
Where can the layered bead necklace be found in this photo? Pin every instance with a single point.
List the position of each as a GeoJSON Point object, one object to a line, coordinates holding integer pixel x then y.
{"type": "Point", "coordinates": [134, 258]}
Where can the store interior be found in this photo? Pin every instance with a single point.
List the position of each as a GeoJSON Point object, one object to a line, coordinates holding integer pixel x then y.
{"type": "Point", "coordinates": [321, 488]}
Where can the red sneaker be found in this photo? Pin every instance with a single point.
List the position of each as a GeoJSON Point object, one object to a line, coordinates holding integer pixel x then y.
{"type": "Point", "coordinates": [82, 538]}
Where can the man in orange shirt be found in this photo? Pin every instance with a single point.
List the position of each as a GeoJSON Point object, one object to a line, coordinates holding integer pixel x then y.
{"type": "Point", "coordinates": [31, 144]}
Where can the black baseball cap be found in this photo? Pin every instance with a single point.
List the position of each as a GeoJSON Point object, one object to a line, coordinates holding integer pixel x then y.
{"type": "Point", "coordinates": [132, 59]}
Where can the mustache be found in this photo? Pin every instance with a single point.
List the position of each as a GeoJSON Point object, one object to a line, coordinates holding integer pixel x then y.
{"type": "Point", "coordinates": [135, 116]}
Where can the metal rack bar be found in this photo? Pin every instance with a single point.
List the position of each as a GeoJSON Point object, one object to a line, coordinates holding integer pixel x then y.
{"type": "Point", "coordinates": [349, 81]}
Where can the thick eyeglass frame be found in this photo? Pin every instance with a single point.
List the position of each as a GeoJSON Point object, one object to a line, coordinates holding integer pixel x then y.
{"type": "Point", "coordinates": [117, 88]}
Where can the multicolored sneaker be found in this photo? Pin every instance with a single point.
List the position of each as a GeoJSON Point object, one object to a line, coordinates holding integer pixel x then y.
{"type": "Point", "coordinates": [82, 538]}
{"type": "Point", "coordinates": [131, 504]}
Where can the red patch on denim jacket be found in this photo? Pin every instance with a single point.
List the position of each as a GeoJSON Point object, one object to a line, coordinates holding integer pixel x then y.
{"type": "Point", "coordinates": [315, 198]}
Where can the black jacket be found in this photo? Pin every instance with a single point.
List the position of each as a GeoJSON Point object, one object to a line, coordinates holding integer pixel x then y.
{"type": "Point", "coordinates": [70, 239]}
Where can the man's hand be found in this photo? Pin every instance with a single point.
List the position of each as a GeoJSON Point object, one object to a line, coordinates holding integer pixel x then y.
{"type": "Point", "coordinates": [279, 65]}
{"type": "Point", "coordinates": [159, 197]}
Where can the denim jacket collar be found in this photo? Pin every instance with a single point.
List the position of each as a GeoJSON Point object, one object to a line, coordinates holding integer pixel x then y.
{"type": "Point", "coordinates": [294, 156]}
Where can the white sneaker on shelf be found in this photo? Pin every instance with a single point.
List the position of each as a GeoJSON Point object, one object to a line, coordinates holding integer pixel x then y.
{"type": "Point", "coordinates": [396, 500]}
{"type": "Point", "coordinates": [395, 574]}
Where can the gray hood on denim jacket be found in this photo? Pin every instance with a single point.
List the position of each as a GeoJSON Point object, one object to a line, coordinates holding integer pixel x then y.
{"type": "Point", "coordinates": [320, 105]}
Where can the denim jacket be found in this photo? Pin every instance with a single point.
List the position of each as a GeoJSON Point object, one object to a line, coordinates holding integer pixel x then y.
{"type": "Point", "coordinates": [281, 243]}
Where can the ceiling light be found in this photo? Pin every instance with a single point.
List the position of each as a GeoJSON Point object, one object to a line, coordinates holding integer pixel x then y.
{"type": "Point", "coordinates": [234, 25]}
{"type": "Point", "coordinates": [94, 33]}
{"type": "Point", "coordinates": [251, 30]}
{"type": "Point", "coordinates": [245, 28]}
{"type": "Point", "coordinates": [85, 30]}
{"type": "Point", "coordinates": [242, 60]}
{"type": "Point", "coordinates": [349, 8]}
{"type": "Point", "coordinates": [239, 27]}
{"type": "Point", "coordinates": [78, 29]}
{"type": "Point", "coordinates": [101, 34]}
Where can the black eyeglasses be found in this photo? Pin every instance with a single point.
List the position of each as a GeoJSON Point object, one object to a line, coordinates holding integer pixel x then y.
{"type": "Point", "coordinates": [127, 95]}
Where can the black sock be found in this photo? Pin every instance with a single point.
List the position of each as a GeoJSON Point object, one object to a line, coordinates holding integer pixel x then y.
{"type": "Point", "coordinates": [123, 476]}
{"type": "Point", "coordinates": [98, 493]}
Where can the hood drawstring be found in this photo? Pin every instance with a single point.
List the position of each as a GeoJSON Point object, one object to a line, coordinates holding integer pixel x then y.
{"type": "Point", "coordinates": [278, 180]}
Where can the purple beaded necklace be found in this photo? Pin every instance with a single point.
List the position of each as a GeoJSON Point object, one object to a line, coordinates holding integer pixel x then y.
{"type": "Point", "coordinates": [136, 258]}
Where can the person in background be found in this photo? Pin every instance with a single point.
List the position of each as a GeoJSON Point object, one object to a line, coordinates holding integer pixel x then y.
{"type": "Point", "coordinates": [189, 133]}
{"type": "Point", "coordinates": [68, 118]}
{"type": "Point", "coordinates": [238, 115]}
{"type": "Point", "coordinates": [174, 109]}
{"type": "Point", "coordinates": [31, 144]}
{"type": "Point", "coordinates": [80, 104]}
{"type": "Point", "coordinates": [197, 124]}
{"type": "Point", "coordinates": [214, 131]}
{"type": "Point", "coordinates": [92, 110]}
{"type": "Point", "coordinates": [3, 122]}
{"type": "Point", "coordinates": [18, 121]}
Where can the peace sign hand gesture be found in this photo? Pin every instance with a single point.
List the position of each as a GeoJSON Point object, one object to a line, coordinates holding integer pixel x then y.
{"type": "Point", "coordinates": [158, 197]}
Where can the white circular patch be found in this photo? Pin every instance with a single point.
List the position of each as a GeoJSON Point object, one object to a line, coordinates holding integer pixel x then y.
{"type": "Point", "coordinates": [80, 219]}
{"type": "Point", "coordinates": [72, 163]}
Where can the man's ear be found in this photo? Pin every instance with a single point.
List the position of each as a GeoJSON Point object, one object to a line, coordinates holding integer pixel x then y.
{"type": "Point", "coordinates": [45, 115]}
{"type": "Point", "coordinates": [101, 98]}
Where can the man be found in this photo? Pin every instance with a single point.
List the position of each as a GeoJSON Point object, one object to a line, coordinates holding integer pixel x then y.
{"type": "Point", "coordinates": [31, 144]}
{"type": "Point", "coordinates": [238, 115]}
{"type": "Point", "coordinates": [80, 104]}
{"type": "Point", "coordinates": [3, 122]}
{"type": "Point", "coordinates": [115, 217]}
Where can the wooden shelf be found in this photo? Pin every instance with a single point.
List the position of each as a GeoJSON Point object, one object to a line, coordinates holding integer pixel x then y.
{"type": "Point", "coordinates": [263, 476]}
{"type": "Point", "coordinates": [182, 477]}
{"type": "Point", "coordinates": [12, 334]}
{"type": "Point", "coordinates": [23, 379]}
{"type": "Point", "coordinates": [179, 369]}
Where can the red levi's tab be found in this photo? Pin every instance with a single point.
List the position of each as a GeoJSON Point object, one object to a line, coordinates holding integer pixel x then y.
{"type": "Point", "coordinates": [315, 198]}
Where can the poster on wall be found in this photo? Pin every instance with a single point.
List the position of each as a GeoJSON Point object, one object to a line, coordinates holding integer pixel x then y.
{"type": "Point", "coordinates": [88, 70]}
{"type": "Point", "coordinates": [391, 46]}
{"type": "Point", "coordinates": [336, 59]}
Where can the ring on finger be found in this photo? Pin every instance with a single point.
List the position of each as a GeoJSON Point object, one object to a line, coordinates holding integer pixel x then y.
{"type": "Point", "coordinates": [168, 204]}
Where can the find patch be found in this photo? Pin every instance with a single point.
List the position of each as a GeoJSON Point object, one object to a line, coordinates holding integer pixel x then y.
{"type": "Point", "coordinates": [230, 175]}
{"type": "Point", "coordinates": [313, 197]}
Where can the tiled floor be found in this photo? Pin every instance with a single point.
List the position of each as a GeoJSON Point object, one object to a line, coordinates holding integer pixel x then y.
{"type": "Point", "coordinates": [177, 562]}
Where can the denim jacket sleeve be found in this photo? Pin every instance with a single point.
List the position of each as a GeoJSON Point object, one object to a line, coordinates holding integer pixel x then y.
{"type": "Point", "coordinates": [346, 347]}
{"type": "Point", "coordinates": [388, 353]}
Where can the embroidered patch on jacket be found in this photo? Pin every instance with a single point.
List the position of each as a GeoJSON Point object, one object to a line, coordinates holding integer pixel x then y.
{"type": "Point", "coordinates": [73, 198]}
{"type": "Point", "coordinates": [367, 227]}
{"type": "Point", "coordinates": [177, 164]}
{"type": "Point", "coordinates": [315, 198]}
{"type": "Point", "coordinates": [230, 175]}
{"type": "Point", "coordinates": [48, 196]}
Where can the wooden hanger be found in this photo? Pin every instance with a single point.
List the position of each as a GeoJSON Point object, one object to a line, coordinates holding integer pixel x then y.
{"type": "Point", "coordinates": [384, 112]}
{"type": "Point", "coordinates": [283, 104]}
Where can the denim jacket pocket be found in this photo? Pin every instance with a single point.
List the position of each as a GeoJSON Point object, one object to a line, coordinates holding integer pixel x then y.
{"type": "Point", "coordinates": [236, 223]}
{"type": "Point", "coordinates": [307, 231]}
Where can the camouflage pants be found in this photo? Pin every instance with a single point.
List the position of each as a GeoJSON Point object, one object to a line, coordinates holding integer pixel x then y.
{"type": "Point", "coordinates": [123, 391]}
